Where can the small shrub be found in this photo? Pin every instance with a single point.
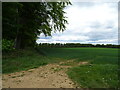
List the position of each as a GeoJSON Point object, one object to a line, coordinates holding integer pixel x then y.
{"type": "Point", "coordinates": [7, 45]}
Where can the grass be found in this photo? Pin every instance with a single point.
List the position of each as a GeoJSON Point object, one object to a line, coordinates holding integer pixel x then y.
{"type": "Point", "coordinates": [102, 72]}
{"type": "Point", "coordinates": [22, 60]}
{"type": "Point", "coordinates": [83, 54]}
{"type": "Point", "coordinates": [96, 76]}
{"type": "Point", "coordinates": [25, 59]}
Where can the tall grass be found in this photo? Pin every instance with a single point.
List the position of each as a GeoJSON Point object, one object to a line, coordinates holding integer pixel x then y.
{"type": "Point", "coordinates": [95, 55]}
{"type": "Point", "coordinates": [22, 60]}
{"type": "Point", "coordinates": [96, 76]}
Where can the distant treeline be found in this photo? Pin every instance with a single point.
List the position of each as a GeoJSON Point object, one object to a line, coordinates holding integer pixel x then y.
{"type": "Point", "coordinates": [77, 45]}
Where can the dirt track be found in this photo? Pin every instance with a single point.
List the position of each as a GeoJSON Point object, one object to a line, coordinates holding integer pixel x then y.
{"type": "Point", "coordinates": [49, 76]}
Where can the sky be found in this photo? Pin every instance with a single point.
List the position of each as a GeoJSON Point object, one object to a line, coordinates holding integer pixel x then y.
{"type": "Point", "coordinates": [89, 23]}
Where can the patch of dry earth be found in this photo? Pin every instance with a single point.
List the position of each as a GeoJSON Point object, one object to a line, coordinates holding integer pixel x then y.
{"type": "Point", "coordinates": [48, 76]}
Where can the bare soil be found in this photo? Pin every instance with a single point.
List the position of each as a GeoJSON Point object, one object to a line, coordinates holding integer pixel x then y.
{"type": "Point", "coordinates": [48, 76]}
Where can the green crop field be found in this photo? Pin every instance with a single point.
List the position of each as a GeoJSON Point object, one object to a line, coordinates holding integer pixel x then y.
{"type": "Point", "coordinates": [100, 72]}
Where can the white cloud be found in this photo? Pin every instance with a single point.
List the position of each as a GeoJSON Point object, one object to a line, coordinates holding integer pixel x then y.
{"type": "Point", "coordinates": [94, 0]}
{"type": "Point", "coordinates": [68, 37]}
{"type": "Point", "coordinates": [106, 41]}
{"type": "Point", "coordinates": [89, 23]}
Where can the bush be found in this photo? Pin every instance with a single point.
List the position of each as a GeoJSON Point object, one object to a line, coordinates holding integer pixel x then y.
{"type": "Point", "coordinates": [7, 45]}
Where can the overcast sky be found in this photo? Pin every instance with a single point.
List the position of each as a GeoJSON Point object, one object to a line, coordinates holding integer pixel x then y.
{"type": "Point", "coordinates": [89, 22]}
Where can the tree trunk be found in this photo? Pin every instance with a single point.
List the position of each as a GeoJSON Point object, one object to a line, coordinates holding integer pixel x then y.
{"type": "Point", "coordinates": [18, 42]}
{"type": "Point", "coordinates": [20, 33]}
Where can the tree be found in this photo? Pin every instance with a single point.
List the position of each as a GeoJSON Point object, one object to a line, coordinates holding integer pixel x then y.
{"type": "Point", "coordinates": [9, 20]}
{"type": "Point", "coordinates": [31, 19]}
